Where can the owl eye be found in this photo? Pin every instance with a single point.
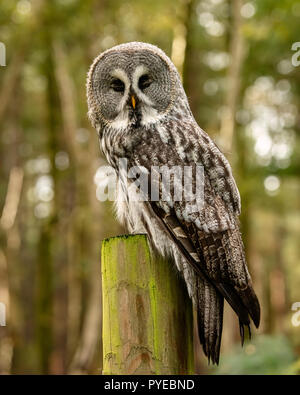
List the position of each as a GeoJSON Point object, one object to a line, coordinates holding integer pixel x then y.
{"type": "Point", "coordinates": [117, 85]}
{"type": "Point", "coordinates": [144, 82]}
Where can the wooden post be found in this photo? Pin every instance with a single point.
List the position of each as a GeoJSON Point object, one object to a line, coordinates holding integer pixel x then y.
{"type": "Point", "coordinates": [147, 314]}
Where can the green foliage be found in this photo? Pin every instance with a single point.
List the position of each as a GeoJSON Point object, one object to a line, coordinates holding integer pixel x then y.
{"type": "Point", "coordinates": [264, 355]}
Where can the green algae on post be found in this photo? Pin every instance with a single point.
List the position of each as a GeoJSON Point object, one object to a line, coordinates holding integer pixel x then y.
{"type": "Point", "coordinates": [147, 314]}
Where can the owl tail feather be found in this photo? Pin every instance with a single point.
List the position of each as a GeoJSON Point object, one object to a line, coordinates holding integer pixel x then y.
{"type": "Point", "coordinates": [210, 319]}
{"type": "Point", "coordinates": [242, 332]}
{"type": "Point", "coordinates": [250, 300]}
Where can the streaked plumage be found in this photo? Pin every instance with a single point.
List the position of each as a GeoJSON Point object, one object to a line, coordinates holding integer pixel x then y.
{"type": "Point", "coordinates": [157, 128]}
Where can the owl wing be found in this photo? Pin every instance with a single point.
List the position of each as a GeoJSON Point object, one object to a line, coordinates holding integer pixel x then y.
{"type": "Point", "coordinates": [208, 237]}
{"type": "Point", "coordinates": [219, 260]}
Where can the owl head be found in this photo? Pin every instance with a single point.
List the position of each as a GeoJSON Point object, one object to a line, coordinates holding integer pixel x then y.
{"type": "Point", "coordinates": [132, 85]}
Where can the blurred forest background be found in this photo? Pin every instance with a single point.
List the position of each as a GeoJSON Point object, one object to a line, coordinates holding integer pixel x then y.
{"type": "Point", "coordinates": [235, 58]}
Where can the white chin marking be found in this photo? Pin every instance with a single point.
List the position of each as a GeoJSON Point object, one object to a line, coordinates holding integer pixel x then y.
{"type": "Point", "coordinates": [149, 115]}
{"type": "Point", "coordinates": [121, 122]}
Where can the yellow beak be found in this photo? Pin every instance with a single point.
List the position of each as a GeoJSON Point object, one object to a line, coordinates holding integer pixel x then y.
{"type": "Point", "coordinates": [133, 101]}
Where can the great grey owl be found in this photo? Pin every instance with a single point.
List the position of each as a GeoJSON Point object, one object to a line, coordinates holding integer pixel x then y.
{"type": "Point", "coordinates": [139, 108]}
